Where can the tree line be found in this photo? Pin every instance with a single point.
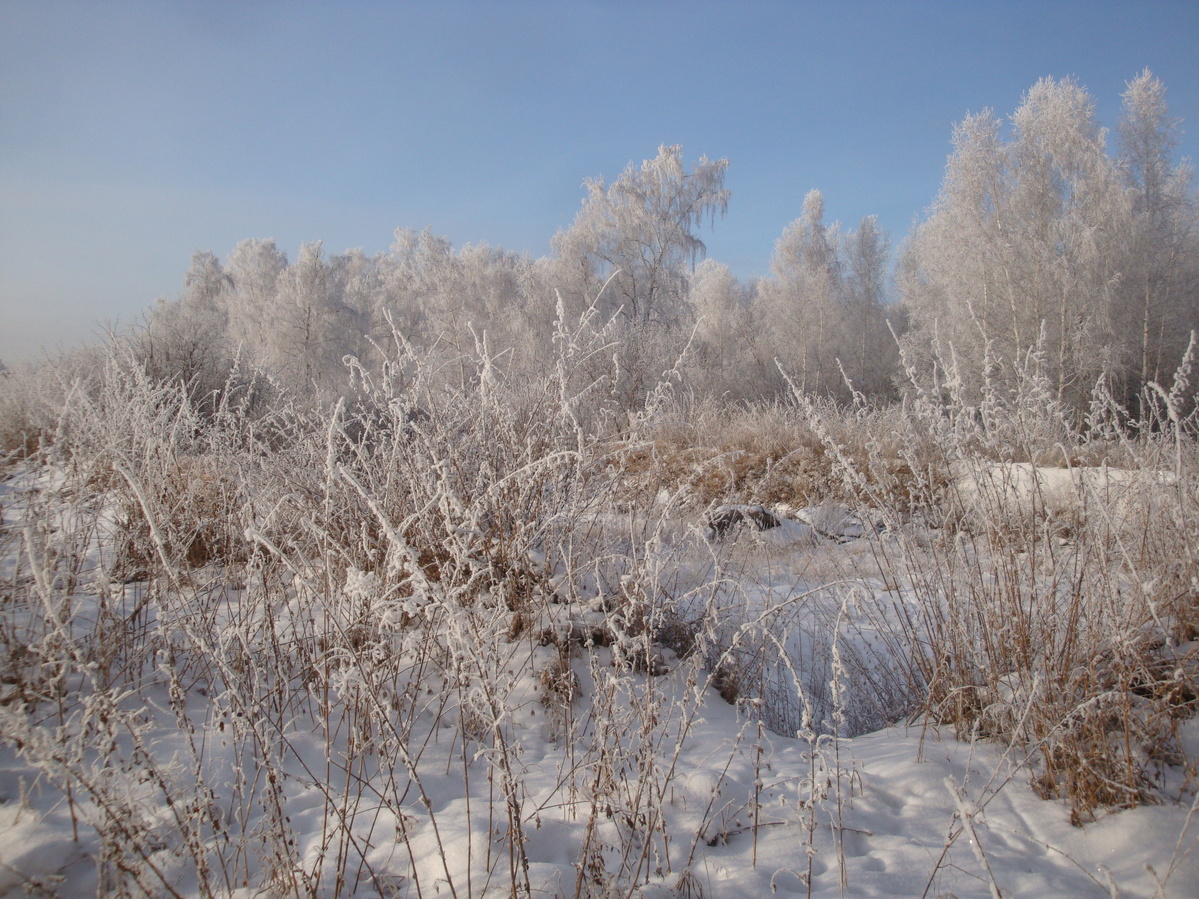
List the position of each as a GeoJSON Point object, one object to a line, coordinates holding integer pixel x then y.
{"type": "Point", "coordinates": [1043, 248]}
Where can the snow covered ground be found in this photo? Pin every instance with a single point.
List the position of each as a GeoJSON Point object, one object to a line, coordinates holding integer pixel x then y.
{"type": "Point", "coordinates": [537, 757]}
{"type": "Point", "coordinates": [919, 814]}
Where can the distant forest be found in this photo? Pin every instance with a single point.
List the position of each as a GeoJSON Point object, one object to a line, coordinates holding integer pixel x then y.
{"type": "Point", "coordinates": [1045, 250]}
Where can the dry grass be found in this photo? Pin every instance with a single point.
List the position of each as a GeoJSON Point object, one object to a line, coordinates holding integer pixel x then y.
{"type": "Point", "coordinates": [768, 454]}
{"type": "Point", "coordinates": [367, 586]}
{"type": "Point", "coordinates": [1051, 569]}
{"type": "Point", "coordinates": [196, 509]}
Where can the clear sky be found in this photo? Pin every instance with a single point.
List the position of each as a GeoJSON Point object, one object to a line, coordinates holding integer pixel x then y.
{"type": "Point", "coordinates": [135, 133]}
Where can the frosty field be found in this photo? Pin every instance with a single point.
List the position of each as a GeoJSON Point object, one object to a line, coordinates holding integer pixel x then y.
{"type": "Point", "coordinates": [481, 652]}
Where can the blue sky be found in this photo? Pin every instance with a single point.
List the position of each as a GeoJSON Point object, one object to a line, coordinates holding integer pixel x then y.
{"type": "Point", "coordinates": [134, 133]}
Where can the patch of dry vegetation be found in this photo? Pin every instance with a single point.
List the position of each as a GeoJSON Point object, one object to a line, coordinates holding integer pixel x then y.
{"type": "Point", "coordinates": [789, 454]}
{"type": "Point", "coordinates": [426, 556]}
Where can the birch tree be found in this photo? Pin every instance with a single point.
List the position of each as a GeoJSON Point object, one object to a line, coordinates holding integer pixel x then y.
{"type": "Point", "coordinates": [868, 351]}
{"type": "Point", "coordinates": [639, 232]}
{"type": "Point", "coordinates": [720, 306]}
{"type": "Point", "coordinates": [1158, 299]}
{"type": "Point", "coordinates": [1021, 248]}
{"type": "Point", "coordinates": [186, 340]}
{"type": "Point", "coordinates": [800, 306]}
{"type": "Point", "coordinates": [254, 268]}
{"type": "Point", "coordinates": [313, 329]}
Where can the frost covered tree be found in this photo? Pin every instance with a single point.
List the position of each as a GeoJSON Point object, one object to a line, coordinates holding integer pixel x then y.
{"type": "Point", "coordinates": [254, 268]}
{"type": "Point", "coordinates": [720, 306]}
{"type": "Point", "coordinates": [639, 231]}
{"type": "Point", "coordinates": [1021, 249]}
{"type": "Point", "coordinates": [415, 273]}
{"type": "Point", "coordinates": [187, 340]}
{"type": "Point", "coordinates": [483, 293]}
{"type": "Point", "coordinates": [800, 308]}
{"type": "Point", "coordinates": [630, 251]}
{"type": "Point", "coordinates": [823, 315]}
{"type": "Point", "coordinates": [435, 295]}
{"type": "Point", "coordinates": [868, 351]}
{"type": "Point", "coordinates": [1158, 292]}
{"type": "Point", "coordinates": [311, 329]}
{"type": "Point", "coordinates": [358, 281]}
